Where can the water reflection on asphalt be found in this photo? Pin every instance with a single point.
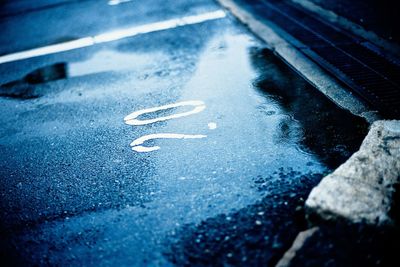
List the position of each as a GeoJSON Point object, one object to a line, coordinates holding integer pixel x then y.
{"type": "Point", "coordinates": [234, 197]}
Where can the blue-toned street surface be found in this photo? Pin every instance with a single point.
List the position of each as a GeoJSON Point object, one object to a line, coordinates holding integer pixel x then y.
{"type": "Point", "coordinates": [220, 178]}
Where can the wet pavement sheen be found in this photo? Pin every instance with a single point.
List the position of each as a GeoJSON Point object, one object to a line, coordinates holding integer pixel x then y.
{"type": "Point", "coordinates": [228, 179]}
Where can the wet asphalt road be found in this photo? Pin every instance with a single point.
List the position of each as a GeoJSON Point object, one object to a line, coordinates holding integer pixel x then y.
{"type": "Point", "coordinates": [73, 192]}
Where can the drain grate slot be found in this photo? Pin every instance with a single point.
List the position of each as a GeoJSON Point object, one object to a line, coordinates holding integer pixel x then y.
{"type": "Point", "coordinates": [370, 75]}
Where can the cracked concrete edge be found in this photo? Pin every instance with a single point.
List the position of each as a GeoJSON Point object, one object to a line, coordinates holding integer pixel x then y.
{"type": "Point", "coordinates": [363, 189]}
{"type": "Point", "coordinates": [297, 245]}
{"type": "Point", "coordinates": [392, 48]}
{"type": "Point", "coordinates": [307, 68]}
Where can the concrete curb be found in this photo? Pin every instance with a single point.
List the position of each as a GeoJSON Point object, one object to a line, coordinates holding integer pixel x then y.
{"type": "Point", "coordinates": [308, 69]}
{"type": "Point", "coordinates": [362, 190]}
{"type": "Point", "coordinates": [299, 242]}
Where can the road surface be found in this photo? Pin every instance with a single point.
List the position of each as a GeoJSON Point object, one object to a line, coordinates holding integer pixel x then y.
{"type": "Point", "coordinates": [179, 140]}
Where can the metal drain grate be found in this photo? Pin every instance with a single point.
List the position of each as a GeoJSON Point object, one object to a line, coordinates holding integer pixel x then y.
{"type": "Point", "coordinates": [369, 74]}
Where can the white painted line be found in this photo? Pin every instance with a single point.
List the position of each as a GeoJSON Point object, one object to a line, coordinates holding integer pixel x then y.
{"type": "Point", "coordinates": [137, 144]}
{"type": "Point", "coordinates": [46, 50]}
{"type": "Point", "coordinates": [117, 2]}
{"type": "Point", "coordinates": [158, 26]}
{"type": "Point", "coordinates": [131, 119]}
{"type": "Point", "coordinates": [113, 36]}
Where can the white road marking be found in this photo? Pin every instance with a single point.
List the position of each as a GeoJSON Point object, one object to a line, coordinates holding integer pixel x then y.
{"type": "Point", "coordinates": [131, 119]}
{"type": "Point", "coordinates": [113, 36]}
{"type": "Point", "coordinates": [47, 50]}
{"type": "Point", "coordinates": [117, 2]}
{"type": "Point", "coordinates": [137, 144]}
{"type": "Point", "coordinates": [212, 126]}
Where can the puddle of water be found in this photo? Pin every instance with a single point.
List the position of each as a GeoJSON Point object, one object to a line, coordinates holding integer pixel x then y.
{"type": "Point", "coordinates": [109, 60]}
{"type": "Point", "coordinates": [103, 61]}
{"type": "Point", "coordinates": [324, 129]}
{"type": "Point", "coordinates": [24, 88]}
{"type": "Point", "coordinates": [275, 132]}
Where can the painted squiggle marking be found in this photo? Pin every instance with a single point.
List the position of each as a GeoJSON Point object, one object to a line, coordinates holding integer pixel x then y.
{"type": "Point", "coordinates": [131, 119]}
{"type": "Point", "coordinates": [117, 2]}
{"type": "Point", "coordinates": [137, 144]}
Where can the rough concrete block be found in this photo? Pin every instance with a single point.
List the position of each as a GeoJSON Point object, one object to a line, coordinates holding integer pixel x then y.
{"type": "Point", "coordinates": [363, 188]}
